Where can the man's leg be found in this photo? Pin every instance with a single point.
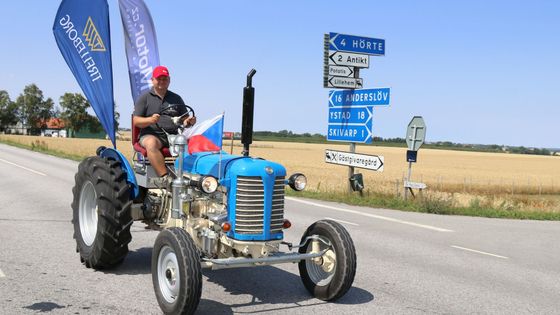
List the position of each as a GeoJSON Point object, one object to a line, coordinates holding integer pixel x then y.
{"type": "Point", "coordinates": [153, 146]}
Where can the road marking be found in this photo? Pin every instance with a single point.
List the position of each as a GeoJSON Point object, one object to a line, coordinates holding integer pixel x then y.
{"type": "Point", "coordinates": [2, 275]}
{"type": "Point", "coordinates": [479, 252]}
{"type": "Point", "coordinates": [340, 221]}
{"type": "Point", "coordinates": [429, 227]}
{"type": "Point", "coordinates": [25, 168]}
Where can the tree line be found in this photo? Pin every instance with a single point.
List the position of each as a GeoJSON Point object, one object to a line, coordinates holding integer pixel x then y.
{"type": "Point", "coordinates": [33, 111]}
{"type": "Point", "coordinates": [287, 135]}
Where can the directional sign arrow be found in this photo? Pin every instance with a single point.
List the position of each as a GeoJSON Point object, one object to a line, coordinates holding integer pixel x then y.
{"type": "Point", "coordinates": [359, 44]}
{"type": "Point", "coordinates": [349, 133]}
{"type": "Point", "coordinates": [362, 97]}
{"type": "Point", "coordinates": [348, 59]}
{"type": "Point", "coordinates": [350, 115]}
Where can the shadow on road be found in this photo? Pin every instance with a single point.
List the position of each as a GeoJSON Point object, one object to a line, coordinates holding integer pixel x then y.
{"type": "Point", "coordinates": [135, 263]}
{"type": "Point", "coordinates": [268, 285]}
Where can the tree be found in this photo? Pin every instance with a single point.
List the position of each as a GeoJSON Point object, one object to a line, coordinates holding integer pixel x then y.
{"type": "Point", "coordinates": [92, 124]}
{"type": "Point", "coordinates": [74, 110]}
{"type": "Point", "coordinates": [33, 110]}
{"type": "Point", "coordinates": [8, 111]}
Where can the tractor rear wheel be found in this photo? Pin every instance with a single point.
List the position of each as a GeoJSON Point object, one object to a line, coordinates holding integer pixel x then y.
{"type": "Point", "coordinates": [101, 212]}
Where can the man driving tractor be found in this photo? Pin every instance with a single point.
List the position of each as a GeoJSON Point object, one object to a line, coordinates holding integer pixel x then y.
{"type": "Point", "coordinates": [155, 127]}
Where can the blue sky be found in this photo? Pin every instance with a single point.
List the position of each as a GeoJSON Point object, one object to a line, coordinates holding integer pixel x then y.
{"type": "Point", "coordinates": [478, 71]}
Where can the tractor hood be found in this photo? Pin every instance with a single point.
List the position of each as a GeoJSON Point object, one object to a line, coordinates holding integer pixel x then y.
{"type": "Point", "coordinates": [223, 166]}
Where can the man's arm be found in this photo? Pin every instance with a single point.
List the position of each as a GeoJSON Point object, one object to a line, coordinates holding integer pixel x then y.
{"type": "Point", "coordinates": [143, 122]}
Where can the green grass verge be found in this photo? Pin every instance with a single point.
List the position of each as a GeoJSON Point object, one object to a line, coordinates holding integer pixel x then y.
{"type": "Point", "coordinates": [426, 205]}
{"type": "Point", "coordinates": [43, 148]}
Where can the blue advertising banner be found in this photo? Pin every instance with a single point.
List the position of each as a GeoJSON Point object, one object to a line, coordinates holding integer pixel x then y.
{"type": "Point", "coordinates": [81, 30]}
{"type": "Point", "coordinates": [141, 44]}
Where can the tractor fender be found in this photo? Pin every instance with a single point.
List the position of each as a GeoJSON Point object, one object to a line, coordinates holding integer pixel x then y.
{"type": "Point", "coordinates": [116, 155]}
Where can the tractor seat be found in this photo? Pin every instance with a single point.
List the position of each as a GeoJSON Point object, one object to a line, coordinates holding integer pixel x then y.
{"type": "Point", "coordinates": [138, 148]}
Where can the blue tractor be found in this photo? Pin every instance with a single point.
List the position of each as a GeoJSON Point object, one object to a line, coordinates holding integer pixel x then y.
{"type": "Point", "coordinates": [220, 211]}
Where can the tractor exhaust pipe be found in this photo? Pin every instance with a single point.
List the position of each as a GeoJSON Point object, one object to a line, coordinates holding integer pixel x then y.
{"type": "Point", "coordinates": [248, 109]}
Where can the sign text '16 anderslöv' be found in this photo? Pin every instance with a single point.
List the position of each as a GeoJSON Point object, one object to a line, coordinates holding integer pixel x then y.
{"type": "Point", "coordinates": [365, 97]}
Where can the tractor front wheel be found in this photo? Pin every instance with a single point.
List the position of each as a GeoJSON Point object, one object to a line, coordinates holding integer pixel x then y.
{"type": "Point", "coordinates": [176, 272]}
{"type": "Point", "coordinates": [330, 276]}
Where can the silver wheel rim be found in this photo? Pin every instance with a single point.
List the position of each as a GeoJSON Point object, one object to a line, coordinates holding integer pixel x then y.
{"type": "Point", "coordinates": [168, 274]}
{"type": "Point", "coordinates": [88, 213]}
{"type": "Point", "coordinates": [316, 272]}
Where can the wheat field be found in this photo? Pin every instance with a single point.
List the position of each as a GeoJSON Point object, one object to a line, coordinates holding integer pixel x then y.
{"type": "Point", "coordinates": [465, 175]}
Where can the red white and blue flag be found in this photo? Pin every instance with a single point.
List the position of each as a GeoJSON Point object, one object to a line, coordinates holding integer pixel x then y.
{"type": "Point", "coordinates": [206, 136]}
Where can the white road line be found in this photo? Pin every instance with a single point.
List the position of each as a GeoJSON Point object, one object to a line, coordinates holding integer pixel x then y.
{"type": "Point", "coordinates": [340, 221]}
{"type": "Point", "coordinates": [25, 168]}
{"type": "Point", "coordinates": [479, 252]}
{"type": "Point", "coordinates": [2, 275]}
{"type": "Point", "coordinates": [429, 227]}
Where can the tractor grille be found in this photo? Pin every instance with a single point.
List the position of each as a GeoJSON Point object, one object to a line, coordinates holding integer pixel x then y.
{"type": "Point", "coordinates": [277, 218]}
{"type": "Point", "coordinates": [249, 205]}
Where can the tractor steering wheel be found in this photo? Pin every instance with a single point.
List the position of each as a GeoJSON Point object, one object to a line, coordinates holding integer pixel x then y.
{"type": "Point", "coordinates": [171, 110]}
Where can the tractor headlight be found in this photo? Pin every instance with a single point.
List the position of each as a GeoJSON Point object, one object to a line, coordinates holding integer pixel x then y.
{"type": "Point", "coordinates": [297, 181]}
{"type": "Point", "coordinates": [208, 184]}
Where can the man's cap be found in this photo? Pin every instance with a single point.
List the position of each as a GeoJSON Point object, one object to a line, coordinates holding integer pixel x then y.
{"type": "Point", "coordinates": [160, 71]}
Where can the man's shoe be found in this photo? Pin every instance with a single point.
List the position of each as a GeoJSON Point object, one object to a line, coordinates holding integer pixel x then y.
{"type": "Point", "coordinates": [163, 182]}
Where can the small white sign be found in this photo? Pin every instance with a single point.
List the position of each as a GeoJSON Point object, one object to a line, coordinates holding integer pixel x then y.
{"type": "Point", "coordinates": [345, 83]}
{"type": "Point", "coordinates": [340, 58]}
{"type": "Point", "coordinates": [414, 185]}
{"type": "Point", "coordinates": [341, 71]}
{"type": "Point", "coordinates": [370, 162]}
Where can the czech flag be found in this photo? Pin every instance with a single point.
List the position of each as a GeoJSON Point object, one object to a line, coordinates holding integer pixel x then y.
{"type": "Point", "coordinates": [206, 136]}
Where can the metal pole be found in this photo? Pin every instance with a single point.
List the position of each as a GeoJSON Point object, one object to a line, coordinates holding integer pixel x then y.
{"type": "Point", "coordinates": [408, 180]}
{"type": "Point", "coordinates": [351, 168]}
{"type": "Point", "coordinates": [406, 189]}
{"type": "Point", "coordinates": [352, 144]}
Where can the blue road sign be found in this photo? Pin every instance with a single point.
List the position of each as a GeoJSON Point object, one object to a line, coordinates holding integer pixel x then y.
{"type": "Point", "coordinates": [362, 97]}
{"type": "Point", "coordinates": [350, 133]}
{"type": "Point", "coordinates": [353, 115]}
{"type": "Point", "coordinates": [358, 44]}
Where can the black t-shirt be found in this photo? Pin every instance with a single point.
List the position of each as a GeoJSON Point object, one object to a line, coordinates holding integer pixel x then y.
{"type": "Point", "coordinates": [150, 103]}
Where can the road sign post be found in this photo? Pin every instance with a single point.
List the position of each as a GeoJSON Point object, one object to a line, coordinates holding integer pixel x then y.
{"type": "Point", "coordinates": [350, 111]}
{"type": "Point", "coordinates": [352, 147]}
{"type": "Point", "coordinates": [415, 136]}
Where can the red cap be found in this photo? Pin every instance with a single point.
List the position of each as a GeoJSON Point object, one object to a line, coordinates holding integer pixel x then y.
{"type": "Point", "coordinates": [160, 71]}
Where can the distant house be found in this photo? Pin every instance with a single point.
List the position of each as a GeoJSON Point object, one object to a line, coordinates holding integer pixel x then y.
{"type": "Point", "coordinates": [54, 127]}
{"type": "Point", "coordinates": [17, 129]}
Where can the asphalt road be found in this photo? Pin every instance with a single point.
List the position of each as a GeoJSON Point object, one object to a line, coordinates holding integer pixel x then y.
{"type": "Point", "coordinates": [407, 262]}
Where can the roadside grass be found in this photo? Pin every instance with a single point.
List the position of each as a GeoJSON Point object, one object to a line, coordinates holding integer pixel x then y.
{"type": "Point", "coordinates": [41, 146]}
{"type": "Point", "coordinates": [431, 204]}
{"type": "Point", "coordinates": [491, 204]}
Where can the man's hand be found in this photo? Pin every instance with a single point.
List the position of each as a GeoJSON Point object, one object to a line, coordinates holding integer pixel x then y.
{"type": "Point", "coordinates": [189, 122]}
{"type": "Point", "coordinates": [154, 119]}
{"type": "Point", "coordinates": [143, 122]}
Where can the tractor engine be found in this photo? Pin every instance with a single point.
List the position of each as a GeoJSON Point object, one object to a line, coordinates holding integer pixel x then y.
{"type": "Point", "coordinates": [244, 215]}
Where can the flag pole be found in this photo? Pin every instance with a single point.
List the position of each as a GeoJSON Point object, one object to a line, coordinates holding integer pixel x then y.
{"type": "Point", "coordinates": [222, 144]}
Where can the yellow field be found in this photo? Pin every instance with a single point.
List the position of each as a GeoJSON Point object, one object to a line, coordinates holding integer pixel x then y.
{"type": "Point", "coordinates": [463, 174]}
